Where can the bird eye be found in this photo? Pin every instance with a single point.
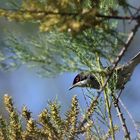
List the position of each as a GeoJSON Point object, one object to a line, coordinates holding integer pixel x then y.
{"type": "Point", "coordinates": [77, 79]}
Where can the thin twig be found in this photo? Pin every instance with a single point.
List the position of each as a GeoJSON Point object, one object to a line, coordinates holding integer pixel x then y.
{"type": "Point", "coordinates": [122, 119]}
{"type": "Point", "coordinates": [89, 111]}
{"type": "Point", "coordinates": [123, 50]}
{"type": "Point", "coordinates": [117, 17]}
{"type": "Point", "coordinates": [117, 99]}
{"type": "Point", "coordinates": [107, 104]}
{"type": "Point", "coordinates": [85, 98]}
{"type": "Point", "coordinates": [109, 115]}
{"type": "Point", "coordinates": [135, 14]}
{"type": "Point", "coordinates": [130, 116]}
{"type": "Point", "coordinates": [95, 101]}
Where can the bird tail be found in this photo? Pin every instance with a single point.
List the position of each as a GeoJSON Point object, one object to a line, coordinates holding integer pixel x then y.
{"type": "Point", "coordinates": [135, 60]}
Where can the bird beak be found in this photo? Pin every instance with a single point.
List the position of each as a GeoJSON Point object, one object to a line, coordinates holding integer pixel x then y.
{"type": "Point", "coordinates": [79, 84]}
{"type": "Point", "coordinates": [73, 86]}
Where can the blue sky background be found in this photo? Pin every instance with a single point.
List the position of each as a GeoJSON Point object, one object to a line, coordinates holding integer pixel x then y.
{"type": "Point", "coordinates": [27, 88]}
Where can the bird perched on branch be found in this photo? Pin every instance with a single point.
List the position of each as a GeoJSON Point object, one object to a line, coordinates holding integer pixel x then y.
{"type": "Point", "coordinates": [124, 72]}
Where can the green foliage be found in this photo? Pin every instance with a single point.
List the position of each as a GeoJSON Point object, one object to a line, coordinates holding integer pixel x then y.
{"type": "Point", "coordinates": [56, 52]}
{"type": "Point", "coordinates": [78, 34]}
{"type": "Point", "coordinates": [14, 129]}
{"type": "Point", "coordinates": [72, 118]}
{"type": "Point", "coordinates": [50, 125]}
{"type": "Point", "coordinates": [72, 15]}
{"type": "Point", "coordinates": [3, 129]}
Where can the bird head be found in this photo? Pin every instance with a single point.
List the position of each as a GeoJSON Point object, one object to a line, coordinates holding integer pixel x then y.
{"type": "Point", "coordinates": [85, 79]}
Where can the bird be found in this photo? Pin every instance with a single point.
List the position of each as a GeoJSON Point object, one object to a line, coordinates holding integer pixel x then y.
{"type": "Point", "coordinates": [124, 72]}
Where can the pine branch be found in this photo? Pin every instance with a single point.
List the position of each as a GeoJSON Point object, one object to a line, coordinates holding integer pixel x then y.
{"type": "Point", "coordinates": [117, 60]}
{"type": "Point", "coordinates": [73, 14]}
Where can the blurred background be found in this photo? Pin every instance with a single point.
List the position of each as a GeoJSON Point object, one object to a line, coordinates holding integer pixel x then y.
{"type": "Point", "coordinates": [27, 88]}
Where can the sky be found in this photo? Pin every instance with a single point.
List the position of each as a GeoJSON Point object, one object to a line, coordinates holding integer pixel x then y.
{"type": "Point", "coordinates": [27, 88]}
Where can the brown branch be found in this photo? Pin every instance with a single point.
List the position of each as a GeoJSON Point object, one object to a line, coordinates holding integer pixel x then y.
{"type": "Point", "coordinates": [122, 119]}
{"type": "Point", "coordinates": [90, 111]}
{"type": "Point", "coordinates": [115, 63]}
{"type": "Point", "coordinates": [120, 55]}
{"type": "Point", "coordinates": [130, 116]}
{"type": "Point", "coordinates": [117, 17]}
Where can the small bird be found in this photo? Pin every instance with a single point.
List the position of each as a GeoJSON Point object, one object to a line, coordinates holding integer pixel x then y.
{"type": "Point", "coordinates": [124, 72]}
